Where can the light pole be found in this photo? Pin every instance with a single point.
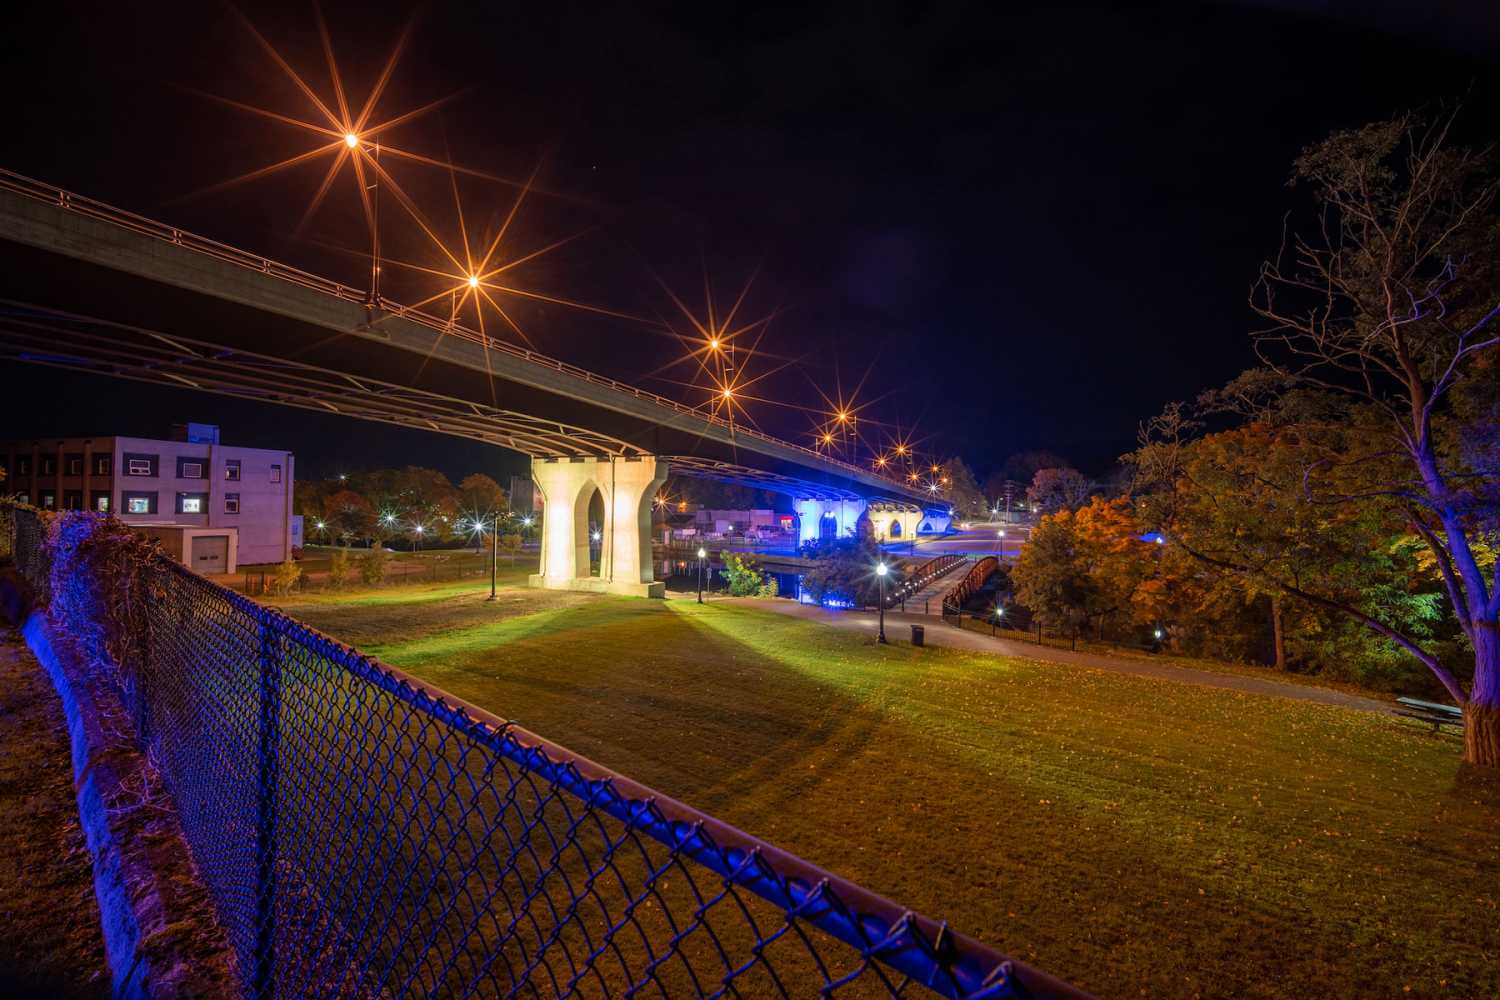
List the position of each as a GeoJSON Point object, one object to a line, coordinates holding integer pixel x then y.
{"type": "Point", "coordinates": [494, 551]}
{"type": "Point", "coordinates": [702, 554]}
{"type": "Point", "coordinates": [880, 571]}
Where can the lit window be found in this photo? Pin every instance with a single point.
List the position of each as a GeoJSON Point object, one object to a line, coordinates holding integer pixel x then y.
{"type": "Point", "coordinates": [101, 503]}
{"type": "Point", "coordinates": [138, 467]}
{"type": "Point", "coordinates": [232, 470]}
{"type": "Point", "coordinates": [231, 503]}
{"type": "Point", "coordinates": [192, 470]}
{"type": "Point", "coordinates": [101, 465]}
{"type": "Point", "coordinates": [275, 473]}
{"type": "Point", "coordinates": [49, 501]}
{"type": "Point", "coordinates": [192, 505]}
{"type": "Point", "coordinates": [137, 505]}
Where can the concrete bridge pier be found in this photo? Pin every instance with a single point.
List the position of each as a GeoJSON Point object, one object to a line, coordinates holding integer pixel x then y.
{"type": "Point", "coordinates": [827, 518]}
{"type": "Point", "coordinates": [627, 487]}
{"type": "Point", "coordinates": [889, 523]}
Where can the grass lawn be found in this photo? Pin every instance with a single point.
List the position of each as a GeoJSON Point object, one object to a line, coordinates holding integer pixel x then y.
{"type": "Point", "coordinates": [1132, 835]}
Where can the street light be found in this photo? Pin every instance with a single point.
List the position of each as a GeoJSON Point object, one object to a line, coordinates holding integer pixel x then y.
{"type": "Point", "coordinates": [880, 571]}
{"type": "Point", "coordinates": [702, 554]}
{"type": "Point", "coordinates": [494, 549]}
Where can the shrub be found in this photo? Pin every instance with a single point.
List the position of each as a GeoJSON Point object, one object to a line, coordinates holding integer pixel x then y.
{"type": "Point", "coordinates": [372, 565]}
{"type": "Point", "coordinates": [742, 575]}
{"type": "Point", "coordinates": [285, 578]}
{"type": "Point", "coordinates": [339, 569]}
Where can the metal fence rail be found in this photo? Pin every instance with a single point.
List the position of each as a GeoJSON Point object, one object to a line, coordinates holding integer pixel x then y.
{"type": "Point", "coordinates": [365, 834]}
{"type": "Point", "coordinates": [81, 205]}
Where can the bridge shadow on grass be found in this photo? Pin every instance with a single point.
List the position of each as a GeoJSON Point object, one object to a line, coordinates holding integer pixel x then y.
{"type": "Point", "coordinates": [1130, 833]}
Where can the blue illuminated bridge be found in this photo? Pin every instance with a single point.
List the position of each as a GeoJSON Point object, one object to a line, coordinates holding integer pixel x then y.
{"type": "Point", "coordinates": [90, 287]}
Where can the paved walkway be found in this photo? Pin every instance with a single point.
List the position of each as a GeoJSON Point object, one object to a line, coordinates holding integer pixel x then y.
{"type": "Point", "coordinates": [939, 634]}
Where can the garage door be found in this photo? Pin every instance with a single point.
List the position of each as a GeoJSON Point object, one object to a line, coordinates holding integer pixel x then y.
{"type": "Point", "coordinates": [211, 553]}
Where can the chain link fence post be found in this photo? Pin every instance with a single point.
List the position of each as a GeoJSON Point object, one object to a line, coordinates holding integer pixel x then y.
{"type": "Point", "coordinates": [264, 981]}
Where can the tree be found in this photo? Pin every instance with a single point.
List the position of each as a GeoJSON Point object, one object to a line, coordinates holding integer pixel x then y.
{"type": "Point", "coordinates": [481, 496]}
{"type": "Point", "coordinates": [1236, 500]}
{"type": "Point", "coordinates": [1052, 575]}
{"type": "Point", "coordinates": [1390, 306]}
{"type": "Point", "coordinates": [962, 491]}
{"type": "Point", "coordinates": [1053, 490]}
{"type": "Point", "coordinates": [845, 571]}
{"type": "Point", "coordinates": [372, 565]}
{"type": "Point", "coordinates": [347, 515]}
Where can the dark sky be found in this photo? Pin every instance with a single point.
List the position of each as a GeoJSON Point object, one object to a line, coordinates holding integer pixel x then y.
{"type": "Point", "coordinates": [1031, 228]}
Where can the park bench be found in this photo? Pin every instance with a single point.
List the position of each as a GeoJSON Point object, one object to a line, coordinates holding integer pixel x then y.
{"type": "Point", "coordinates": [1431, 711]}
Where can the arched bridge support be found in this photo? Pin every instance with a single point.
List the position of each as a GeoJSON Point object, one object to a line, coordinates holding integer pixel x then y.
{"type": "Point", "coordinates": [888, 523]}
{"type": "Point", "coordinates": [843, 516]}
{"type": "Point", "coordinates": [628, 487]}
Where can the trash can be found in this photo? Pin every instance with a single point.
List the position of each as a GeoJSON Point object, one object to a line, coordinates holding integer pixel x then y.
{"type": "Point", "coordinates": [918, 635]}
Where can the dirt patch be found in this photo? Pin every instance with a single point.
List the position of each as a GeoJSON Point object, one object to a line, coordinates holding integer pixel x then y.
{"type": "Point", "coordinates": [50, 940]}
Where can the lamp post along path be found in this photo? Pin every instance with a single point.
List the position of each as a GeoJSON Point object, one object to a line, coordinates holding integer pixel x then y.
{"type": "Point", "coordinates": [494, 552]}
{"type": "Point", "coordinates": [880, 571]}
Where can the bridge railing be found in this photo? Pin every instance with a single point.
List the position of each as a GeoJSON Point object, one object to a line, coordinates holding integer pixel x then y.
{"type": "Point", "coordinates": [364, 833]}
{"type": "Point", "coordinates": [81, 205]}
{"type": "Point", "coordinates": [979, 573]}
{"type": "Point", "coordinates": [922, 575]}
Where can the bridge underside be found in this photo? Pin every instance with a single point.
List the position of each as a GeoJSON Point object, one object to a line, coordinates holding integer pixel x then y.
{"type": "Point", "coordinates": [86, 287]}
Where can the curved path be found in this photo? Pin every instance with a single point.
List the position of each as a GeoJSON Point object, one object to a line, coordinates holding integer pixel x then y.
{"type": "Point", "coordinates": [938, 634]}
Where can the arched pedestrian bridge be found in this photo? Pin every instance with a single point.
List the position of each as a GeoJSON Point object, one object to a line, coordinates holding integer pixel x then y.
{"type": "Point", "coordinates": [90, 287]}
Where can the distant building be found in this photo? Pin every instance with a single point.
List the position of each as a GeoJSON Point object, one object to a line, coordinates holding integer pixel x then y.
{"type": "Point", "coordinates": [212, 506]}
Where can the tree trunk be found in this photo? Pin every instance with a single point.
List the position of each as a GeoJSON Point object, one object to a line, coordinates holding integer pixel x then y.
{"type": "Point", "coordinates": [1482, 710]}
{"type": "Point", "coordinates": [1278, 634]}
{"type": "Point", "coordinates": [1482, 734]}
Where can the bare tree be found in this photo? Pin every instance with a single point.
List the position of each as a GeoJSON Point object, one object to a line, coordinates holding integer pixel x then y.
{"type": "Point", "coordinates": [1392, 303]}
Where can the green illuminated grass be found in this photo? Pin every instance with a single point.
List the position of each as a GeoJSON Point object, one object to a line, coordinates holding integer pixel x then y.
{"type": "Point", "coordinates": [1133, 835]}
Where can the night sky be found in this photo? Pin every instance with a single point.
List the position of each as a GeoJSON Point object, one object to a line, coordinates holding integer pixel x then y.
{"type": "Point", "coordinates": [1018, 229]}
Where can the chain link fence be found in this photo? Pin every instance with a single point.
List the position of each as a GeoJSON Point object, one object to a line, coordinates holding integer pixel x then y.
{"type": "Point", "coordinates": [364, 834]}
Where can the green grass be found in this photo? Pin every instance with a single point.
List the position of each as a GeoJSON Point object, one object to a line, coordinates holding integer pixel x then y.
{"type": "Point", "coordinates": [1133, 835]}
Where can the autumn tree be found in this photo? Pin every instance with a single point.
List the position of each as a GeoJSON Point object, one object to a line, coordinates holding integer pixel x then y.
{"type": "Point", "coordinates": [1052, 490]}
{"type": "Point", "coordinates": [480, 495]}
{"type": "Point", "coordinates": [1389, 305]}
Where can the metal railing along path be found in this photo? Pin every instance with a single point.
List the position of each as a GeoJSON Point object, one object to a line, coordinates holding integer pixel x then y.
{"type": "Point", "coordinates": [81, 205]}
{"type": "Point", "coordinates": [363, 833]}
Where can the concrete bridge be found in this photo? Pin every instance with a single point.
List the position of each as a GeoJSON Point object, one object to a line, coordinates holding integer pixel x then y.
{"type": "Point", "coordinates": [90, 287]}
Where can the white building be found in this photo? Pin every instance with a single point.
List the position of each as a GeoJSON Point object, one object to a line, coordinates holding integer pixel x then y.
{"type": "Point", "coordinates": [213, 506]}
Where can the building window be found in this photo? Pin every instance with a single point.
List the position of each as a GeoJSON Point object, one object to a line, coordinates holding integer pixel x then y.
{"type": "Point", "coordinates": [232, 470]}
{"type": "Point", "coordinates": [102, 464]}
{"type": "Point", "coordinates": [191, 468]}
{"type": "Point", "coordinates": [74, 465]}
{"type": "Point", "coordinates": [49, 501]}
{"type": "Point", "coordinates": [192, 503]}
{"type": "Point", "coordinates": [231, 503]}
{"type": "Point", "coordinates": [140, 465]}
{"type": "Point", "coordinates": [49, 466]}
{"type": "Point", "coordinates": [275, 473]}
{"type": "Point", "coordinates": [23, 465]}
{"type": "Point", "coordinates": [101, 502]}
{"type": "Point", "coordinates": [140, 503]}
{"type": "Point", "coordinates": [23, 498]}
{"type": "Point", "coordinates": [72, 500]}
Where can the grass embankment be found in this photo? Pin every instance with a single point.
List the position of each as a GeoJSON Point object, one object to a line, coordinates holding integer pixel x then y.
{"type": "Point", "coordinates": [50, 939]}
{"type": "Point", "coordinates": [1134, 835]}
